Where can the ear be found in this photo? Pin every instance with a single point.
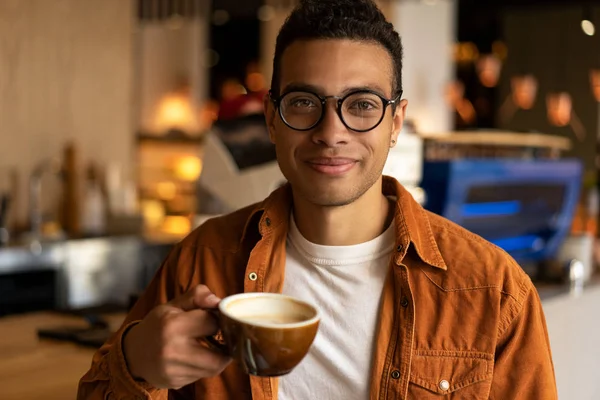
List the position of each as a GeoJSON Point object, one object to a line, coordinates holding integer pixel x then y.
{"type": "Point", "coordinates": [398, 121]}
{"type": "Point", "coordinates": [270, 112]}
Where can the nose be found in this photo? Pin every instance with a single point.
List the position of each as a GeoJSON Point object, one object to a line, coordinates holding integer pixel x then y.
{"type": "Point", "coordinates": [331, 132]}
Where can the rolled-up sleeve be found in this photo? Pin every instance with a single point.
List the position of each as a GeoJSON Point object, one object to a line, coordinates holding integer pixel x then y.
{"type": "Point", "coordinates": [108, 376]}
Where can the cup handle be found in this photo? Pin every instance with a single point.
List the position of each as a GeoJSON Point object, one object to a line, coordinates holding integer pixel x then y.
{"type": "Point", "coordinates": [216, 342]}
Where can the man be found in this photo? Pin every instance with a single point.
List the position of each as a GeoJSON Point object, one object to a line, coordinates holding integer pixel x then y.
{"type": "Point", "coordinates": [413, 306]}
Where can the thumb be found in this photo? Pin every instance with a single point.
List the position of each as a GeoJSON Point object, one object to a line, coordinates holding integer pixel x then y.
{"type": "Point", "coordinates": [197, 297]}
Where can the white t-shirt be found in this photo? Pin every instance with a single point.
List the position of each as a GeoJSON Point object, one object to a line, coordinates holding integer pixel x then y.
{"type": "Point", "coordinates": [345, 283]}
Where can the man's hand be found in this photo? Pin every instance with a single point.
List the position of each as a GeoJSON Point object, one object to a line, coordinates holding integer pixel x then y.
{"type": "Point", "coordinates": [163, 349]}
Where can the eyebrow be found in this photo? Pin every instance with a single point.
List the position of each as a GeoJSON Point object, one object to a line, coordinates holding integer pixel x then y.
{"type": "Point", "coordinates": [305, 87]}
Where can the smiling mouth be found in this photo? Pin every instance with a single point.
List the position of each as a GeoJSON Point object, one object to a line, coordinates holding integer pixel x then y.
{"type": "Point", "coordinates": [332, 165]}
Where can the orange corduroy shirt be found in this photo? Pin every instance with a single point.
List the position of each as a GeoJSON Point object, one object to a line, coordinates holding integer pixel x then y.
{"type": "Point", "coordinates": [459, 319]}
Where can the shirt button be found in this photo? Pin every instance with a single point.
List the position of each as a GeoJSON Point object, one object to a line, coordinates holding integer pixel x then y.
{"type": "Point", "coordinates": [444, 385]}
{"type": "Point", "coordinates": [268, 221]}
{"type": "Point", "coordinates": [404, 302]}
{"type": "Point", "coordinates": [395, 374]}
{"type": "Point", "coordinates": [399, 248]}
{"type": "Point", "coordinates": [252, 276]}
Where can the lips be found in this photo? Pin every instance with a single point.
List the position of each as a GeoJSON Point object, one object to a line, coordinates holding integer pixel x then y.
{"type": "Point", "coordinates": [331, 165]}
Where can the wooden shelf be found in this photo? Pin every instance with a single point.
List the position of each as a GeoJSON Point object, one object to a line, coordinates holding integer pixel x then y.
{"type": "Point", "coordinates": [501, 138]}
{"type": "Point", "coordinates": [166, 139]}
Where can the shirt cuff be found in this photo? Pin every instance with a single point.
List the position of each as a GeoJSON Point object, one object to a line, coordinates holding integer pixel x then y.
{"type": "Point", "coordinates": [122, 381]}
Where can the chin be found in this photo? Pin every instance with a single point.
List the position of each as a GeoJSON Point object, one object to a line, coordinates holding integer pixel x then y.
{"type": "Point", "coordinates": [332, 201]}
{"type": "Point", "coordinates": [330, 196]}
{"type": "Point", "coordinates": [329, 192]}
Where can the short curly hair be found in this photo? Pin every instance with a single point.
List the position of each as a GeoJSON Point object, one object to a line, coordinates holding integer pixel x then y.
{"type": "Point", "coordinates": [338, 19]}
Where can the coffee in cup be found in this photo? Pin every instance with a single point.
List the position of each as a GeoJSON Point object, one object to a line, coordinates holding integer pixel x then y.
{"type": "Point", "coordinates": [268, 334]}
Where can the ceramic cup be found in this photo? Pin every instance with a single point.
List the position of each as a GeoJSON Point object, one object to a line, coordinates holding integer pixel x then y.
{"type": "Point", "coordinates": [268, 334]}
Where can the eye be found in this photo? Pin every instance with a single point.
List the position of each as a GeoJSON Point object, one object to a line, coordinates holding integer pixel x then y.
{"type": "Point", "coordinates": [302, 103]}
{"type": "Point", "coordinates": [363, 105]}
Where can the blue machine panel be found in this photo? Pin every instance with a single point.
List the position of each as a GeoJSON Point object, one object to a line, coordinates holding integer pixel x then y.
{"type": "Point", "coordinates": [523, 206]}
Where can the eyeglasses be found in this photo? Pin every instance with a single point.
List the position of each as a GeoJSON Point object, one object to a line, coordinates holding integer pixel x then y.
{"type": "Point", "coordinates": [359, 111]}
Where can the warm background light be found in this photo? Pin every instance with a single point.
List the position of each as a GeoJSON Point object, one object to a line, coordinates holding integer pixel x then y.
{"type": "Point", "coordinates": [188, 168]}
{"type": "Point", "coordinates": [266, 13]}
{"type": "Point", "coordinates": [466, 111]}
{"type": "Point", "coordinates": [177, 225]}
{"type": "Point", "coordinates": [595, 82]}
{"type": "Point", "coordinates": [231, 89]}
{"type": "Point", "coordinates": [166, 190]}
{"type": "Point", "coordinates": [588, 27]}
{"type": "Point", "coordinates": [524, 91]}
{"type": "Point", "coordinates": [176, 112]}
{"type": "Point", "coordinates": [560, 107]}
{"type": "Point", "coordinates": [488, 69]}
{"type": "Point", "coordinates": [153, 212]}
{"type": "Point", "coordinates": [255, 81]}
{"type": "Point", "coordinates": [465, 52]}
{"type": "Point", "coordinates": [208, 113]}
{"type": "Point", "coordinates": [455, 91]}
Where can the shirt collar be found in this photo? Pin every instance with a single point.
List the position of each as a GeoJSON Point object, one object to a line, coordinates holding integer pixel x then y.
{"type": "Point", "coordinates": [412, 222]}
{"type": "Point", "coordinates": [412, 226]}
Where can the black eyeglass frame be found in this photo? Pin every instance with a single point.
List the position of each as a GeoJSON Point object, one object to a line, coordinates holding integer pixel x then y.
{"type": "Point", "coordinates": [340, 100]}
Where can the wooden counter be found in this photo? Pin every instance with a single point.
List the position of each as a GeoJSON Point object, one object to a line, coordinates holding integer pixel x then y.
{"type": "Point", "coordinates": [500, 138]}
{"type": "Point", "coordinates": [32, 369]}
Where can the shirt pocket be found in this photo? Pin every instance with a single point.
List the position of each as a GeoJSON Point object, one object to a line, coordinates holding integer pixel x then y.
{"type": "Point", "coordinates": [445, 375]}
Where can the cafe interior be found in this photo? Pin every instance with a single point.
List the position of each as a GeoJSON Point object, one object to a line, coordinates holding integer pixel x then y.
{"type": "Point", "coordinates": [125, 124]}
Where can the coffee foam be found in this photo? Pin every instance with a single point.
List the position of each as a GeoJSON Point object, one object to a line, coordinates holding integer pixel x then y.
{"type": "Point", "coordinates": [267, 309]}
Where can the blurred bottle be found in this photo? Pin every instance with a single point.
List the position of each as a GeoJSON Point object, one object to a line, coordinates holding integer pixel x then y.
{"type": "Point", "coordinates": [121, 192]}
{"type": "Point", "coordinates": [93, 208]}
{"type": "Point", "coordinates": [580, 245]}
{"type": "Point", "coordinates": [585, 220]}
{"type": "Point", "coordinates": [4, 233]}
{"type": "Point", "coordinates": [70, 200]}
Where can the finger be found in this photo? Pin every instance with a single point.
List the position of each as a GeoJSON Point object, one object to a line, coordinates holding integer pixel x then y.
{"type": "Point", "coordinates": [183, 375]}
{"type": "Point", "coordinates": [196, 323]}
{"type": "Point", "coordinates": [203, 361]}
{"type": "Point", "coordinates": [197, 297]}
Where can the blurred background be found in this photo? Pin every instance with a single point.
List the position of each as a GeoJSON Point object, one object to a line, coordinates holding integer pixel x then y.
{"type": "Point", "coordinates": [124, 124]}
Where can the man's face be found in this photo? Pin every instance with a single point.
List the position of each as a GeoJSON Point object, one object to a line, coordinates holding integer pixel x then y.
{"type": "Point", "coordinates": [331, 165]}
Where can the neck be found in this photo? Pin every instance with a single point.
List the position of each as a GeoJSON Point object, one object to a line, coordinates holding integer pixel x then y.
{"type": "Point", "coordinates": [360, 221]}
